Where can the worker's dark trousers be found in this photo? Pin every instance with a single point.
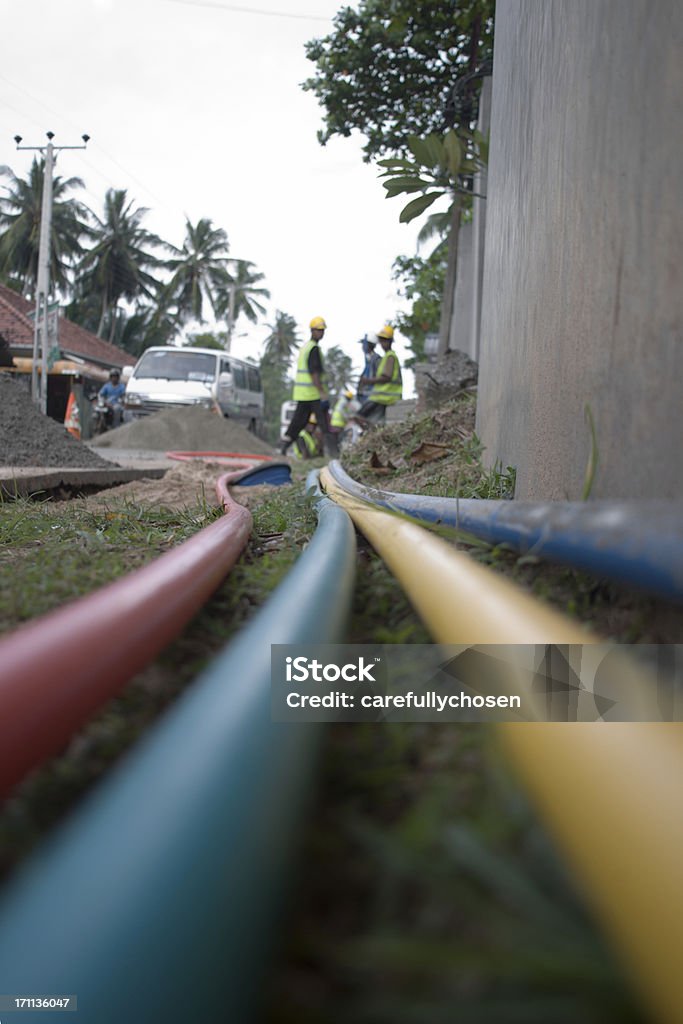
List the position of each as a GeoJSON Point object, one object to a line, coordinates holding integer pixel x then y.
{"type": "Point", "coordinates": [300, 419]}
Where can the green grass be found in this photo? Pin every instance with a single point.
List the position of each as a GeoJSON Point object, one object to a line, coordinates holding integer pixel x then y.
{"type": "Point", "coordinates": [428, 891]}
{"type": "Point", "coordinates": [52, 553]}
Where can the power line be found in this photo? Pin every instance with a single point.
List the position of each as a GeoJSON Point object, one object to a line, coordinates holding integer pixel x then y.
{"type": "Point", "coordinates": [249, 10]}
{"type": "Point", "coordinates": [67, 120]}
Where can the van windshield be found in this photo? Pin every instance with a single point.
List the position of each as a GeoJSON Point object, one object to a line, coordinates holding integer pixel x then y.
{"type": "Point", "coordinates": [180, 365]}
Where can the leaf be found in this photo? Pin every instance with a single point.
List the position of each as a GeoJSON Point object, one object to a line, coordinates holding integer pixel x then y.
{"type": "Point", "coordinates": [436, 150]}
{"type": "Point", "coordinates": [417, 206]}
{"type": "Point", "coordinates": [423, 152]}
{"type": "Point", "coordinates": [453, 150]}
{"type": "Point", "coordinates": [408, 179]}
{"type": "Point", "coordinates": [395, 190]}
{"type": "Point", "coordinates": [429, 451]}
{"type": "Point", "coordinates": [395, 163]}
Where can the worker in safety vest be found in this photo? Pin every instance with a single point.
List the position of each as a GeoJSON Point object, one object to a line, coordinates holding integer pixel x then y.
{"type": "Point", "coordinates": [308, 444]}
{"type": "Point", "coordinates": [309, 390]}
{"type": "Point", "coordinates": [345, 407]}
{"type": "Point", "coordinates": [372, 360]}
{"type": "Point", "coordinates": [387, 386]}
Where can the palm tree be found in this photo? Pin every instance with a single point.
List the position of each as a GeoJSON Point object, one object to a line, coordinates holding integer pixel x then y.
{"type": "Point", "coordinates": [117, 266]}
{"type": "Point", "coordinates": [283, 339]}
{"type": "Point", "coordinates": [20, 212]}
{"type": "Point", "coordinates": [199, 269]}
{"type": "Point", "coordinates": [237, 293]}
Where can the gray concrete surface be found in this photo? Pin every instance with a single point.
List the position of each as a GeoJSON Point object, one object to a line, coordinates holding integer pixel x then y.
{"type": "Point", "coordinates": [136, 458]}
{"type": "Point", "coordinates": [583, 303]}
{"type": "Point", "coordinates": [465, 325]}
{"type": "Point", "coordinates": [23, 481]}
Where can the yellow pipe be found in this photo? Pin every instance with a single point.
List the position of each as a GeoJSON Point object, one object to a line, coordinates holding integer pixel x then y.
{"type": "Point", "coordinates": [611, 793]}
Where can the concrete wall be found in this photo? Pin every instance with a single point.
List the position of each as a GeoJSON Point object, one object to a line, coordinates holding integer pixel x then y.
{"type": "Point", "coordinates": [460, 333]}
{"type": "Point", "coordinates": [583, 301]}
{"type": "Point", "coordinates": [465, 322]}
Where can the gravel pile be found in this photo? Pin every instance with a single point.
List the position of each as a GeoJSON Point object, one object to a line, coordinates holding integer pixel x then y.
{"type": "Point", "coordinates": [28, 438]}
{"type": "Point", "coordinates": [189, 429]}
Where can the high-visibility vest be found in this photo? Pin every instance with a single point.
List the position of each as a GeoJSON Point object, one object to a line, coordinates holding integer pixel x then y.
{"type": "Point", "coordinates": [310, 444]}
{"type": "Point", "coordinates": [391, 391]}
{"type": "Point", "coordinates": [339, 413]}
{"type": "Point", "coordinates": [304, 388]}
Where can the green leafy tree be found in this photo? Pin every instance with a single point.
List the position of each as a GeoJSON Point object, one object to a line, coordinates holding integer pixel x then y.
{"type": "Point", "coordinates": [119, 263]}
{"type": "Point", "coordinates": [239, 292]}
{"type": "Point", "coordinates": [198, 270]}
{"type": "Point", "coordinates": [20, 211]}
{"type": "Point", "coordinates": [208, 339]}
{"type": "Point", "coordinates": [283, 339]}
{"type": "Point", "coordinates": [143, 328]}
{"type": "Point", "coordinates": [393, 68]}
{"type": "Point", "coordinates": [338, 369]}
{"type": "Point", "coordinates": [280, 346]}
{"type": "Point", "coordinates": [421, 281]}
{"type": "Point", "coordinates": [438, 166]}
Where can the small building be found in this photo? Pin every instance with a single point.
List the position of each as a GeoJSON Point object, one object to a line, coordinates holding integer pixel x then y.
{"type": "Point", "coordinates": [78, 355]}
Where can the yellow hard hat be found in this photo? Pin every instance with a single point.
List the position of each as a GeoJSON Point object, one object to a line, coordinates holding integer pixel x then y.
{"type": "Point", "coordinates": [348, 394]}
{"type": "Point", "coordinates": [318, 324]}
{"type": "Point", "coordinates": [386, 332]}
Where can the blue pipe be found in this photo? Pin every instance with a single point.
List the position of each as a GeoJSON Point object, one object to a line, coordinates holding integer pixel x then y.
{"type": "Point", "coordinates": [155, 901]}
{"type": "Point", "coordinates": [638, 543]}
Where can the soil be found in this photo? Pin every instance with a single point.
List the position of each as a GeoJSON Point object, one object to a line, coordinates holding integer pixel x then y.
{"type": "Point", "coordinates": [184, 486]}
{"type": "Point", "coordinates": [416, 453]}
{"type": "Point", "coordinates": [190, 429]}
{"type": "Point", "coordinates": [28, 438]}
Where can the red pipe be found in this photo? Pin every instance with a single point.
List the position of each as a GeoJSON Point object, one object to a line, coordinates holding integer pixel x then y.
{"type": "Point", "coordinates": [57, 670]}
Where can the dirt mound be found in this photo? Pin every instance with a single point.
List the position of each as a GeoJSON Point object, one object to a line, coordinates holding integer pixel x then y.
{"type": "Point", "coordinates": [190, 429]}
{"type": "Point", "coordinates": [28, 438]}
{"type": "Point", "coordinates": [184, 486]}
{"type": "Point", "coordinates": [430, 453]}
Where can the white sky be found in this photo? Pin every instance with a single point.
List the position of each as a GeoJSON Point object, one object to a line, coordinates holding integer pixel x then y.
{"type": "Point", "coordinates": [196, 109]}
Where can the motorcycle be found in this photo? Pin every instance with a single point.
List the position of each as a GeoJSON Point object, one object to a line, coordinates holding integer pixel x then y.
{"type": "Point", "coordinates": [102, 417]}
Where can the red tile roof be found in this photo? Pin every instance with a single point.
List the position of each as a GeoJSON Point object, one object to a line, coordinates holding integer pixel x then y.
{"type": "Point", "coordinates": [17, 328]}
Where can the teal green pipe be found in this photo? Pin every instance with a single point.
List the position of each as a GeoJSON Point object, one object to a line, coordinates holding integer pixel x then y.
{"type": "Point", "coordinates": [157, 901]}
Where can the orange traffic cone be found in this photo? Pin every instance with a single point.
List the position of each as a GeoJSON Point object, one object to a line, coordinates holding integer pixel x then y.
{"type": "Point", "coordinates": [72, 420]}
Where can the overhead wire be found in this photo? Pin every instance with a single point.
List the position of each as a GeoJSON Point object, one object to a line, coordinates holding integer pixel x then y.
{"type": "Point", "coordinates": [250, 10]}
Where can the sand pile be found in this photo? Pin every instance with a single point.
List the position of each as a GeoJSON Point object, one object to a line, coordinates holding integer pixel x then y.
{"type": "Point", "coordinates": [28, 438]}
{"type": "Point", "coordinates": [189, 429]}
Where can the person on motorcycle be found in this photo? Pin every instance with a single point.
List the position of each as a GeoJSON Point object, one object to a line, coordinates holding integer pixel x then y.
{"type": "Point", "coordinates": [111, 394]}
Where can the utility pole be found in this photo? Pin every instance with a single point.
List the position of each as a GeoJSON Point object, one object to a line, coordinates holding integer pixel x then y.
{"type": "Point", "coordinates": [40, 326]}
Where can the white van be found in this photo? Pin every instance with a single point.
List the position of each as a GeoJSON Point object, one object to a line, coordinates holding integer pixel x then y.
{"type": "Point", "coordinates": [166, 378]}
{"type": "Point", "coordinates": [287, 410]}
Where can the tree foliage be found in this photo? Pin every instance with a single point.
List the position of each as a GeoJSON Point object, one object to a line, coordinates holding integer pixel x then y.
{"type": "Point", "coordinates": [113, 275]}
{"type": "Point", "coordinates": [118, 264]}
{"type": "Point", "coordinates": [434, 171]}
{"type": "Point", "coordinates": [20, 211]}
{"type": "Point", "coordinates": [198, 269]}
{"type": "Point", "coordinates": [239, 290]}
{"type": "Point", "coordinates": [338, 369]}
{"type": "Point", "coordinates": [208, 339]}
{"type": "Point", "coordinates": [279, 349]}
{"type": "Point", "coordinates": [391, 68]}
{"type": "Point", "coordinates": [421, 281]}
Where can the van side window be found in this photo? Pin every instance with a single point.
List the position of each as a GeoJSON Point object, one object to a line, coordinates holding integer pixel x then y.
{"type": "Point", "coordinates": [254, 378]}
{"type": "Point", "coordinates": [225, 366]}
{"type": "Point", "coordinates": [239, 377]}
